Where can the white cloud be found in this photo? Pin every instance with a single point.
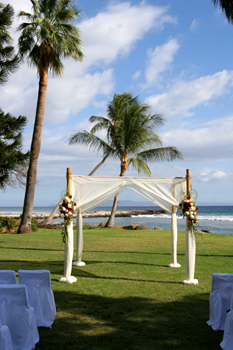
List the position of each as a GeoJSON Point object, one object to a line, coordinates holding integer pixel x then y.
{"type": "Point", "coordinates": [136, 75]}
{"type": "Point", "coordinates": [211, 142]}
{"type": "Point", "coordinates": [159, 60]}
{"type": "Point", "coordinates": [184, 96]}
{"type": "Point", "coordinates": [77, 94]}
{"type": "Point", "coordinates": [210, 175]}
{"type": "Point", "coordinates": [110, 34]}
{"type": "Point", "coordinates": [195, 25]}
{"type": "Point", "coordinates": [115, 31]}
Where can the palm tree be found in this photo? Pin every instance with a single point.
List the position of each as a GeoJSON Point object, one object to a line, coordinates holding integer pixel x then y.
{"type": "Point", "coordinates": [46, 38]}
{"type": "Point", "coordinates": [227, 8]}
{"type": "Point", "coordinates": [114, 108]}
{"type": "Point", "coordinates": [130, 141]}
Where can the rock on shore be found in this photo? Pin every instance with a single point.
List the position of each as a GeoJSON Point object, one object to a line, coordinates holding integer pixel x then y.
{"type": "Point", "coordinates": [102, 214]}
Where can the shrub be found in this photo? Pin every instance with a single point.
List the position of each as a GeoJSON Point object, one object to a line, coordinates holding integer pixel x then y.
{"type": "Point", "coordinates": [34, 225]}
{"type": "Point", "coordinates": [7, 222]}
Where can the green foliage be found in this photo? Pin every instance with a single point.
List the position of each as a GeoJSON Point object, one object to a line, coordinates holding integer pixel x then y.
{"type": "Point", "coordinates": [9, 62]}
{"type": "Point", "coordinates": [34, 225]}
{"type": "Point", "coordinates": [227, 8]}
{"type": "Point", "coordinates": [7, 222]}
{"type": "Point", "coordinates": [89, 227]}
{"type": "Point", "coordinates": [126, 296]}
{"type": "Point", "coordinates": [130, 135]}
{"type": "Point", "coordinates": [48, 34]}
{"type": "Point", "coordinates": [13, 162]}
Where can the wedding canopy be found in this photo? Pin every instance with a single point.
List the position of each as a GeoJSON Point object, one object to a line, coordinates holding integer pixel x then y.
{"type": "Point", "coordinates": [90, 191]}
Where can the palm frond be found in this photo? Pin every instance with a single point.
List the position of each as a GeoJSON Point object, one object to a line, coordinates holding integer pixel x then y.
{"type": "Point", "coordinates": [227, 8]}
{"type": "Point", "coordinates": [50, 29]}
{"type": "Point", "coordinates": [94, 142]}
{"type": "Point", "coordinates": [160, 154]}
{"type": "Point", "coordinates": [140, 166]}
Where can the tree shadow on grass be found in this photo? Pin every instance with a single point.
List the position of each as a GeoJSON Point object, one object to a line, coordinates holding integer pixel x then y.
{"type": "Point", "coordinates": [123, 262]}
{"type": "Point", "coordinates": [80, 273]}
{"type": "Point", "coordinates": [155, 253]}
{"type": "Point", "coordinates": [55, 267]}
{"type": "Point", "coordinates": [91, 322]}
{"type": "Point", "coordinates": [33, 248]}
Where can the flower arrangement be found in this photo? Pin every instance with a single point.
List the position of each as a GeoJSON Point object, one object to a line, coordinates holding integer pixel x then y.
{"type": "Point", "coordinates": [189, 210]}
{"type": "Point", "coordinates": [67, 209]}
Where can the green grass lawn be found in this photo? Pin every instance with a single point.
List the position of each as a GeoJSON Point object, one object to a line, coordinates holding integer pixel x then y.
{"type": "Point", "coordinates": [126, 297]}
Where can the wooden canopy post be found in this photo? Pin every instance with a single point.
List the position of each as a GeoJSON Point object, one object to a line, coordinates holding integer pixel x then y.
{"type": "Point", "coordinates": [68, 178]}
{"type": "Point", "coordinates": [188, 182]}
{"type": "Point", "coordinates": [190, 249]}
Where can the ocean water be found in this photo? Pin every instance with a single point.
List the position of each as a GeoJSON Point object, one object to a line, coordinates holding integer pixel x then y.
{"type": "Point", "coordinates": [216, 219]}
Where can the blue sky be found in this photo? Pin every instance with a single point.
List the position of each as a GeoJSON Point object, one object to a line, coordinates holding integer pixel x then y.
{"type": "Point", "coordinates": [176, 55]}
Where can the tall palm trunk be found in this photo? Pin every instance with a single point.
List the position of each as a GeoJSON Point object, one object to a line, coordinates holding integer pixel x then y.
{"type": "Point", "coordinates": [50, 217]}
{"type": "Point", "coordinates": [110, 222]}
{"type": "Point", "coordinates": [25, 225]}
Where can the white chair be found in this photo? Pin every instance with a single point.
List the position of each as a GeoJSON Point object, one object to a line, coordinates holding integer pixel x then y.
{"type": "Point", "coordinates": [227, 342]}
{"type": "Point", "coordinates": [5, 338]}
{"type": "Point", "coordinates": [7, 277]}
{"type": "Point", "coordinates": [18, 316]}
{"type": "Point", "coordinates": [40, 295]}
{"type": "Point", "coordinates": [220, 299]}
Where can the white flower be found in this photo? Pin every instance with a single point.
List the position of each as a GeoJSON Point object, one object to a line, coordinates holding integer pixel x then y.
{"type": "Point", "coordinates": [69, 206]}
{"type": "Point", "coordinates": [66, 199]}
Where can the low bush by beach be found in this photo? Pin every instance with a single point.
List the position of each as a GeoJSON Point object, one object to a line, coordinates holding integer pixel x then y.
{"type": "Point", "coordinates": [126, 296]}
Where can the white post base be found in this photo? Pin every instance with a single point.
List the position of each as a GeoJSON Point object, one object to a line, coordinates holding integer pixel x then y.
{"type": "Point", "coordinates": [190, 282]}
{"type": "Point", "coordinates": [78, 263]}
{"type": "Point", "coordinates": [70, 279]}
{"type": "Point", "coordinates": [174, 265]}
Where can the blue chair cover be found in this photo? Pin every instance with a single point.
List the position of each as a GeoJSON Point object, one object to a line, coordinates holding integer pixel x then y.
{"type": "Point", "coordinates": [227, 342]}
{"type": "Point", "coordinates": [5, 338]}
{"type": "Point", "coordinates": [18, 316]}
{"type": "Point", "coordinates": [220, 299]}
{"type": "Point", "coordinates": [7, 277]}
{"type": "Point", "coordinates": [40, 295]}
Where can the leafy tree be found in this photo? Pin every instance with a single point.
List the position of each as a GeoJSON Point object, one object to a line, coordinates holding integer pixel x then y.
{"type": "Point", "coordinates": [130, 141]}
{"type": "Point", "coordinates": [227, 8]}
{"type": "Point", "coordinates": [9, 62]}
{"type": "Point", "coordinates": [13, 163]}
{"type": "Point", "coordinates": [46, 38]}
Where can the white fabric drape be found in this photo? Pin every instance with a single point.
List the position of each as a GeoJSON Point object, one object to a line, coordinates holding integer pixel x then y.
{"type": "Point", "coordinates": [190, 255]}
{"type": "Point", "coordinates": [69, 249]}
{"type": "Point", "coordinates": [90, 191]}
{"type": "Point", "coordinates": [79, 240]}
{"type": "Point", "coordinates": [174, 236]}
